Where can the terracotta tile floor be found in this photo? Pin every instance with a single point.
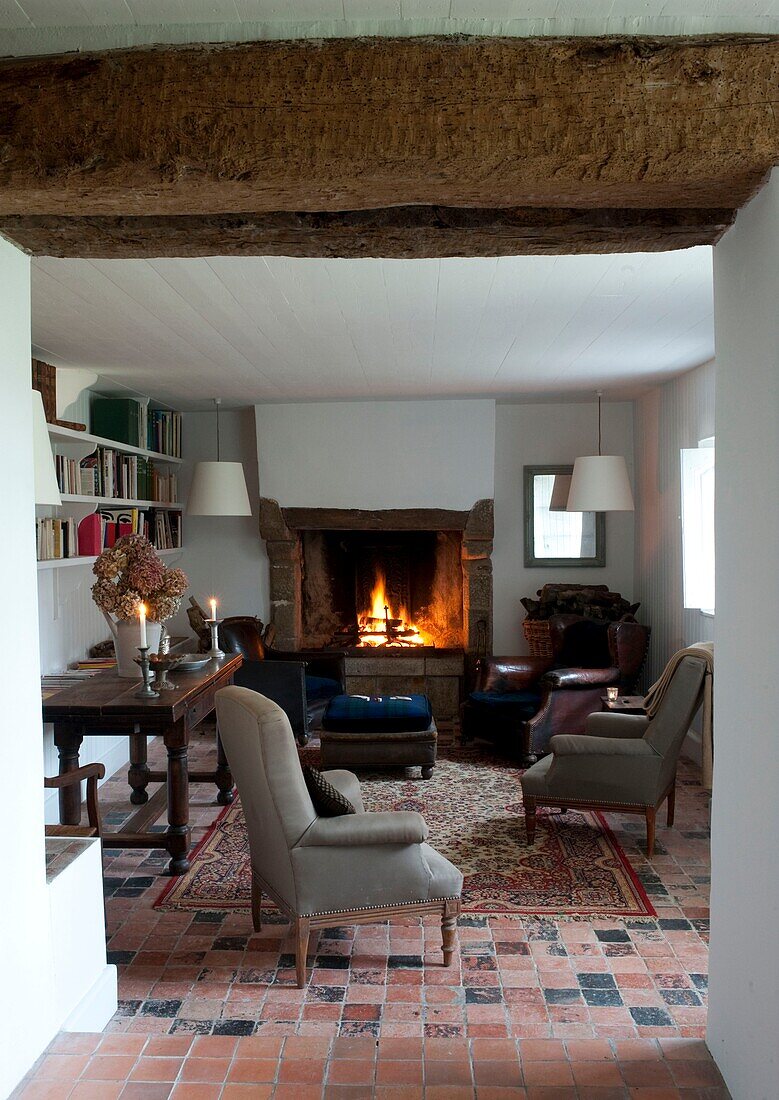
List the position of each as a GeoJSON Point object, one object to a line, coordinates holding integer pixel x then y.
{"type": "Point", "coordinates": [532, 1008]}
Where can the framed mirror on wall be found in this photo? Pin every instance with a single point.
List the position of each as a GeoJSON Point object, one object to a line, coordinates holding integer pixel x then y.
{"type": "Point", "coordinates": [554, 537]}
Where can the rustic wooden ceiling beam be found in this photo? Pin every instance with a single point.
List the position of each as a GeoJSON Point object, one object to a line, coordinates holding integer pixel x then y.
{"type": "Point", "coordinates": [400, 232]}
{"type": "Point", "coordinates": [357, 124]}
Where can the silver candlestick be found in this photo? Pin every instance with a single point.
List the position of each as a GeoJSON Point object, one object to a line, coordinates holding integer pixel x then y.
{"type": "Point", "coordinates": [213, 625]}
{"type": "Point", "coordinates": [147, 691]}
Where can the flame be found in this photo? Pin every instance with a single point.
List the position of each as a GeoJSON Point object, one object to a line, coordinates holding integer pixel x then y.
{"type": "Point", "coordinates": [372, 621]}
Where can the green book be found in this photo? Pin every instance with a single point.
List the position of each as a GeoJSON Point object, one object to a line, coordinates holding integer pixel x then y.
{"type": "Point", "coordinates": [117, 418]}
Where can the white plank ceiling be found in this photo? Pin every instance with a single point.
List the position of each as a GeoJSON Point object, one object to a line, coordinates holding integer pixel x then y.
{"type": "Point", "coordinates": [75, 13]}
{"type": "Point", "coordinates": [259, 329]}
{"type": "Point", "coordinates": [45, 26]}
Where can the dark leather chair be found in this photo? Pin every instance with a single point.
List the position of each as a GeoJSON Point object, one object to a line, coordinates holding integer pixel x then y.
{"type": "Point", "coordinates": [301, 683]}
{"type": "Point", "coordinates": [522, 702]}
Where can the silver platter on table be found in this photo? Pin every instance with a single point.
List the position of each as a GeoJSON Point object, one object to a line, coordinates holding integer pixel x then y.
{"type": "Point", "coordinates": [191, 662]}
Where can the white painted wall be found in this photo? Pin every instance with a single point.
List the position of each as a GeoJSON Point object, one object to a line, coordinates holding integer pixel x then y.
{"type": "Point", "coordinates": [26, 1017]}
{"type": "Point", "coordinates": [676, 415]}
{"type": "Point", "coordinates": [223, 556]}
{"type": "Point", "coordinates": [532, 435]}
{"type": "Point", "coordinates": [84, 986]}
{"type": "Point", "coordinates": [744, 960]}
{"type": "Point", "coordinates": [377, 454]}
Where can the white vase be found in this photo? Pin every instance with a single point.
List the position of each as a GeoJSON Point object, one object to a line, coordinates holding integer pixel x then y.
{"type": "Point", "coordinates": [127, 638]}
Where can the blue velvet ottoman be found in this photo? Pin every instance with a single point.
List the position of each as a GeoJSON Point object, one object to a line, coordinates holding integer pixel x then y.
{"type": "Point", "coordinates": [379, 731]}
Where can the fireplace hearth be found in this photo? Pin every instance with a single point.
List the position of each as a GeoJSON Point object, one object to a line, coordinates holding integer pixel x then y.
{"type": "Point", "coordinates": [406, 594]}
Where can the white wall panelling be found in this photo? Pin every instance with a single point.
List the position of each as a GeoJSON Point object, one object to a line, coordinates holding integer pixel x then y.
{"type": "Point", "coordinates": [676, 415]}
{"type": "Point", "coordinates": [744, 959]}
{"type": "Point", "coordinates": [530, 435]}
{"type": "Point", "coordinates": [258, 329]}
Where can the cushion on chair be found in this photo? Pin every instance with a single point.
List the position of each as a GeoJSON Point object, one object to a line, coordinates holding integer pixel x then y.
{"type": "Point", "coordinates": [378, 713]}
{"type": "Point", "coordinates": [321, 687]}
{"type": "Point", "coordinates": [525, 703]}
{"type": "Point", "coordinates": [328, 802]}
{"type": "Point", "coordinates": [347, 784]}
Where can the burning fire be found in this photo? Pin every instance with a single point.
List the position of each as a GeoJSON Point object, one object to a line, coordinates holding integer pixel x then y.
{"type": "Point", "coordinates": [384, 625]}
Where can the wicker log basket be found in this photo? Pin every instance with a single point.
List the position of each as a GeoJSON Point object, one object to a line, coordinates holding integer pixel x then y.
{"type": "Point", "coordinates": [538, 637]}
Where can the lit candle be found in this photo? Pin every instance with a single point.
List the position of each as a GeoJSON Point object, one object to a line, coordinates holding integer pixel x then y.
{"type": "Point", "coordinates": [142, 621]}
{"type": "Point", "coordinates": [213, 608]}
{"type": "Point", "coordinates": [612, 694]}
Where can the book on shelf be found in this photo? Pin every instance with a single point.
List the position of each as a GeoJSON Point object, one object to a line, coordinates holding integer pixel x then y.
{"type": "Point", "coordinates": [164, 432]}
{"type": "Point", "coordinates": [90, 536]}
{"type": "Point", "coordinates": [109, 473]}
{"type": "Point", "coordinates": [56, 538]}
{"type": "Point", "coordinates": [129, 420]}
{"type": "Point", "coordinates": [118, 418]}
{"type": "Point", "coordinates": [161, 528]}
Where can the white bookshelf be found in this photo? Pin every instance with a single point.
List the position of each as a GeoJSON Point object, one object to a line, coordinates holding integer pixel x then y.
{"type": "Point", "coordinates": [70, 435]}
{"type": "Point", "coordinates": [59, 563]}
{"type": "Point", "coordinates": [119, 502]}
{"type": "Point", "coordinates": [78, 446]}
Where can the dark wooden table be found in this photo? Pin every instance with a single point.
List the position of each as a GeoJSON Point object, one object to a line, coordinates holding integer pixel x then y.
{"type": "Point", "coordinates": [106, 705]}
{"type": "Point", "coordinates": [624, 704]}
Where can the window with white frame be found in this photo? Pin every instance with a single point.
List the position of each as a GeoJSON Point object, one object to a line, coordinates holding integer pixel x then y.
{"type": "Point", "coordinates": [698, 525]}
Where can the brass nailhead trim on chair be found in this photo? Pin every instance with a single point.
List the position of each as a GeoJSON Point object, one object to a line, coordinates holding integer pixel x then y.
{"type": "Point", "coordinates": [369, 908]}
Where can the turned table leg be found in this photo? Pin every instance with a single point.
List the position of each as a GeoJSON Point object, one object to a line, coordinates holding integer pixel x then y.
{"type": "Point", "coordinates": [178, 832]}
{"type": "Point", "coordinates": [68, 742]}
{"type": "Point", "coordinates": [138, 773]}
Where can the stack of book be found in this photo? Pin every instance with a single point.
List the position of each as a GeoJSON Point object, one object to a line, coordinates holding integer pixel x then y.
{"type": "Point", "coordinates": [62, 538]}
{"type": "Point", "coordinates": [68, 474]}
{"type": "Point", "coordinates": [164, 487]}
{"type": "Point", "coordinates": [165, 432]}
{"type": "Point", "coordinates": [108, 473]}
{"type": "Point", "coordinates": [167, 530]}
{"type": "Point", "coordinates": [56, 539]}
{"type": "Point", "coordinates": [128, 420]}
{"type": "Point", "coordinates": [99, 531]}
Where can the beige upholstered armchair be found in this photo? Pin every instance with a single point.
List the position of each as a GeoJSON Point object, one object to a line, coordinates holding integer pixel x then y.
{"type": "Point", "coordinates": [622, 762]}
{"type": "Point", "coordinates": [325, 871]}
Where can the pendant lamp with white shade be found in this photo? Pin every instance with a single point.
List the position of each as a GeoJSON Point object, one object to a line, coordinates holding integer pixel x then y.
{"type": "Point", "coordinates": [600, 482]}
{"type": "Point", "coordinates": [46, 487]}
{"type": "Point", "coordinates": [561, 487]}
{"type": "Point", "coordinates": [218, 488]}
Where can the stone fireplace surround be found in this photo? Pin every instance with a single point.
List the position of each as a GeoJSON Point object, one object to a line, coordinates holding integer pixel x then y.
{"type": "Point", "coordinates": [439, 673]}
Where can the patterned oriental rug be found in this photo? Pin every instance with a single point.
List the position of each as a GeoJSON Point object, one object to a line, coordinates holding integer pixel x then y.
{"type": "Point", "coordinates": [473, 807]}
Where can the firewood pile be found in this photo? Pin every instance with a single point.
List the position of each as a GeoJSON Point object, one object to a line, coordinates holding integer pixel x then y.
{"type": "Point", "coordinates": [594, 601]}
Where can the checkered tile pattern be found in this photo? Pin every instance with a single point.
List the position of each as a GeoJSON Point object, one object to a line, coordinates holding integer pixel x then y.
{"type": "Point", "coordinates": [530, 1007]}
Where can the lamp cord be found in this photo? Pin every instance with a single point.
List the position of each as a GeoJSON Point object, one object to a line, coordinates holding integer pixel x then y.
{"type": "Point", "coordinates": [217, 402]}
{"type": "Point", "coordinates": [599, 421]}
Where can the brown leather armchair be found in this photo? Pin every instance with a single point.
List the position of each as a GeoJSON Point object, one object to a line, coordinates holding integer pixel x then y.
{"type": "Point", "coordinates": [524, 701]}
{"type": "Point", "coordinates": [301, 682]}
